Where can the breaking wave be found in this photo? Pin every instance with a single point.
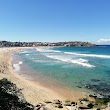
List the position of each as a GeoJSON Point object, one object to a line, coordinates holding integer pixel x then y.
{"type": "Point", "coordinates": [80, 61]}
{"type": "Point", "coordinates": [89, 55]}
{"type": "Point", "coordinates": [23, 52]}
{"type": "Point", "coordinates": [46, 50]}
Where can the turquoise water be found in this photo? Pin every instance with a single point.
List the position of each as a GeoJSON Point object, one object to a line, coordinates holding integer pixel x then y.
{"type": "Point", "coordinates": [72, 67]}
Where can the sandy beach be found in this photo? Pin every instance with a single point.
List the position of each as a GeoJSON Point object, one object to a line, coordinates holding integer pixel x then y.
{"type": "Point", "coordinates": [32, 92]}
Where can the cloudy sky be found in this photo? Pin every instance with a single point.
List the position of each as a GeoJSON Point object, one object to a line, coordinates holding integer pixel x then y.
{"type": "Point", "coordinates": [55, 20]}
{"type": "Point", "coordinates": [103, 41]}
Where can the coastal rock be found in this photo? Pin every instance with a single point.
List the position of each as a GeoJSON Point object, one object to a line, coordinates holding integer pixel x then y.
{"type": "Point", "coordinates": [57, 101]}
{"type": "Point", "coordinates": [88, 86]}
{"type": "Point", "coordinates": [100, 96]}
{"type": "Point", "coordinates": [101, 88]}
{"type": "Point", "coordinates": [47, 102]}
{"type": "Point", "coordinates": [80, 106]}
{"type": "Point", "coordinates": [85, 105]}
{"type": "Point", "coordinates": [59, 106]}
{"type": "Point", "coordinates": [95, 80]}
{"type": "Point", "coordinates": [73, 103]}
{"type": "Point", "coordinates": [67, 104]}
{"type": "Point", "coordinates": [39, 106]}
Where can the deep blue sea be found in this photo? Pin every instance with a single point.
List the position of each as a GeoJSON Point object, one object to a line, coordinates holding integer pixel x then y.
{"type": "Point", "coordinates": [73, 67]}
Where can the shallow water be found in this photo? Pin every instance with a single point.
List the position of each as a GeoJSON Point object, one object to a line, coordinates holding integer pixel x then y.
{"type": "Point", "coordinates": [71, 67]}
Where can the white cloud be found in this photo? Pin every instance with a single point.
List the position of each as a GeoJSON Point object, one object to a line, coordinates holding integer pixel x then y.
{"type": "Point", "coordinates": [103, 41]}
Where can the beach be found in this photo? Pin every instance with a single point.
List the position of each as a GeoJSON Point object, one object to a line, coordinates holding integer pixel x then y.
{"type": "Point", "coordinates": [32, 92]}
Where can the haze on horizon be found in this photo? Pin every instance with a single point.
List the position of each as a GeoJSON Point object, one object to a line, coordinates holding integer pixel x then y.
{"type": "Point", "coordinates": [55, 20]}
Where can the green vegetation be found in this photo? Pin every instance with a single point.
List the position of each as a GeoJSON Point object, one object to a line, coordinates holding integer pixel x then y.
{"type": "Point", "coordinates": [9, 97]}
{"type": "Point", "coordinates": [103, 101]}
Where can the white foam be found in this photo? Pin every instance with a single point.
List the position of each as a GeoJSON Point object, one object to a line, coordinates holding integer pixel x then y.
{"type": "Point", "coordinates": [46, 50]}
{"type": "Point", "coordinates": [83, 60]}
{"type": "Point", "coordinates": [89, 55]}
{"type": "Point", "coordinates": [58, 57]}
{"type": "Point", "coordinates": [40, 61]}
{"type": "Point", "coordinates": [20, 62]}
{"type": "Point", "coordinates": [27, 54]}
{"type": "Point", "coordinates": [83, 63]}
{"type": "Point", "coordinates": [80, 61]}
{"type": "Point", "coordinates": [16, 67]}
{"type": "Point", "coordinates": [23, 52]}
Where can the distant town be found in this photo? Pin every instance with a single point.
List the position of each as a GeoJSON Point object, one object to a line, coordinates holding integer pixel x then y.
{"type": "Point", "coordinates": [34, 44]}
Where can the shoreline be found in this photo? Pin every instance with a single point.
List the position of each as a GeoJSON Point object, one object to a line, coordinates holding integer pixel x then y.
{"type": "Point", "coordinates": [51, 84]}
{"type": "Point", "coordinates": [12, 75]}
{"type": "Point", "coordinates": [33, 92]}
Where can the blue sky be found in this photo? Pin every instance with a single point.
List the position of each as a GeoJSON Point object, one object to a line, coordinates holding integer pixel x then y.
{"type": "Point", "coordinates": [55, 20]}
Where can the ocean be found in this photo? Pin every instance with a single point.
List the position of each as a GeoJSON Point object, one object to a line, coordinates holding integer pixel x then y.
{"type": "Point", "coordinates": [81, 68]}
